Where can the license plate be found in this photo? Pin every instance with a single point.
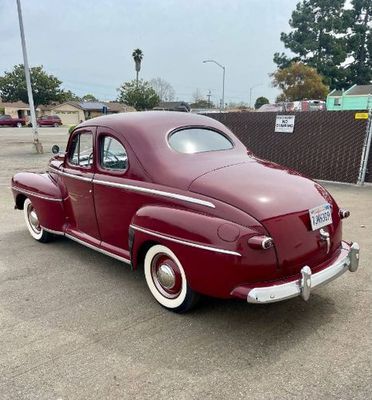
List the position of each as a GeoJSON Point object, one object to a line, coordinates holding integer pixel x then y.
{"type": "Point", "coordinates": [320, 216]}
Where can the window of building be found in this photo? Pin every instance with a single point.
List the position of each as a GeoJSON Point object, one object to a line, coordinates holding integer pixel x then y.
{"type": "Point", "coordinates": [337, 101]}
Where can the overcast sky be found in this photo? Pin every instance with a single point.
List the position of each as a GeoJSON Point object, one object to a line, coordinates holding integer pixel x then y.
{"type": "Point", "coordinates": [88, 44]}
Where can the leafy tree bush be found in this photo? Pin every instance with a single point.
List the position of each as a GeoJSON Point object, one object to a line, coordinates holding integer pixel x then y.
{"type": "Point", "coordinates": [260, 102]}
{"type": "Point", "coordinates": [89, 97]}
{"type": "Point", "coordinates": [326, 36]}
{"type": "Point", "coordinates": [141, 96]}
{"type": "Point", "coordinates": [45, 87]}
{"type": "Point", "coordinates": [299, 82]}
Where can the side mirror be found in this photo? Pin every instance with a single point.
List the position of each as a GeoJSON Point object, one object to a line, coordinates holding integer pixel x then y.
{"type": "Point", "coordinates": [55, 149]}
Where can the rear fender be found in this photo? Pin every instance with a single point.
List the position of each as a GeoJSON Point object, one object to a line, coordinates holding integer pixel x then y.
{"type": "Point", "coordinates": [191, 227]}
{"type": "Point", "coordinates": [214, 252]}
{"type": "Point", "coordinates": [45, 196]}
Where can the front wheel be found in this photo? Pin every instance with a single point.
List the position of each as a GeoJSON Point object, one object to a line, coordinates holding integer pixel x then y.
{"type": "Point", "coordinates": [33, 224]}
{"type": "Point", "coordinates": [167, 281]}
{"type": "Point", "coordinates": [56, 125]}
{"type": "Point", "coordinates": [19, 125]}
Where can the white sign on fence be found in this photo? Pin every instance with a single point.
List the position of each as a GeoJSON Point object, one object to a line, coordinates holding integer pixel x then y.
{"type": "Point", "coordinates": [284, 123]}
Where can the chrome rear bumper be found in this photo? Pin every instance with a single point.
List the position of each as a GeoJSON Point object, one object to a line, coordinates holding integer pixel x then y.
{"type": "Point", "coordinates": [308, 281]}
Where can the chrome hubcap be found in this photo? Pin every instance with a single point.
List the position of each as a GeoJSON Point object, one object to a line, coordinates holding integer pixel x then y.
{"type": "Point", "coordinates": [33, 219]}
{"type": "Point", "coordinates": [166, 276]}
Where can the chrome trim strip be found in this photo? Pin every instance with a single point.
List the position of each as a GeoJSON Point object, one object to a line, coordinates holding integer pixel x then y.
{"type": "Point", "coordinates": [60, 233]}
{"type": "Point", "coordinates": [274, 293]}
{"type": "Point", "coordinates": [191, 244]}
{"type": "Point", "coordinates": [91, 246]}
{"type": "Point", "coordinates": [135, 188]}
{"type": "Point", "coordinates": [34, 194]}
{"type": "Point", "coordinates": [59, 172]}
{"type": "Point", "coordinates": [156, 192]}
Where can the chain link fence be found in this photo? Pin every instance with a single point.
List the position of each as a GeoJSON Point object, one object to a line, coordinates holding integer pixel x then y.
{"type": "Point", "coordinates": [323, 145]}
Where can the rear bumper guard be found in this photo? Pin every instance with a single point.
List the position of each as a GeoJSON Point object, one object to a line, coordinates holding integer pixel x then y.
{"type": "Point", "coordinates": [308, 281]}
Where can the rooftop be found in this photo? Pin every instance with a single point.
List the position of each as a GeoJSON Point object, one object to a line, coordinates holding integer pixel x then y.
{"type": "Point", "coordinates": [360, 90]}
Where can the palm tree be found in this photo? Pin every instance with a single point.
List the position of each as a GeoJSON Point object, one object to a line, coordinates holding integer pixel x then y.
{"type": "Point", "coordinates": [137, 57]}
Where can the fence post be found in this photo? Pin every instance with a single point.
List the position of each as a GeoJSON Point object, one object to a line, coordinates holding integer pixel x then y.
{"type": "Point", "coordinates": [366, 151]}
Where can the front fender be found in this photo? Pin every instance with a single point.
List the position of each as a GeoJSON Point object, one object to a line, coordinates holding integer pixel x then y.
{"type": "Point", "coordinates": [45, 195]}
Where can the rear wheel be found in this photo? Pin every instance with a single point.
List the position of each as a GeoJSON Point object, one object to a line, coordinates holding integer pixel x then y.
{"type": "Point", "coordinates": [33, 224]}
{"type": "Point", "coordinates": [56, 125]}
{"type": "Point", "coordinates": [167, 281]}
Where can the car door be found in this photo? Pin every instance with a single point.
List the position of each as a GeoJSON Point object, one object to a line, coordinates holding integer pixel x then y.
{"type": "Point", "coordinates": [78, 175]}
{"type": "Point", "coordinates": [115, 206]}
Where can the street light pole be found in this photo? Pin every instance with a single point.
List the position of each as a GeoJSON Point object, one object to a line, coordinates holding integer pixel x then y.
{"type": "Point", "coordinates": [222, 105]}
{"type": "Point", "coordinates": [37, 143]}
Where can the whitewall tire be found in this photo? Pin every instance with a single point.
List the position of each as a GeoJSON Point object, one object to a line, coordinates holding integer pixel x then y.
{"type": "Point", "coordinates": [167, 280]}
{"type": "Point", "coordinates": [32, 223]}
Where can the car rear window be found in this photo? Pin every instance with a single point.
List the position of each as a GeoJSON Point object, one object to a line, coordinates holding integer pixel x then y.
{"type": "Point", "coordinates": [198, 140]}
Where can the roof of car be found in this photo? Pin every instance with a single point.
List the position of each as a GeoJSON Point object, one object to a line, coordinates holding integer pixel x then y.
{"type": "Point", "coordinates": [158, 121]}
{"type": "Point", "coordinates": [146, 132]}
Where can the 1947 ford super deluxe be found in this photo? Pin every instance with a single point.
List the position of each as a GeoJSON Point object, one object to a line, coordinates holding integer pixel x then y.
{"type": "Point", "coordinates": [181, 195]}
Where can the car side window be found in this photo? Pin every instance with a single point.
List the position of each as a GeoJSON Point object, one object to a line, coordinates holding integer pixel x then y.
{"type": "Point", "coordinates": [82, 150]}
{"type": "Point", "coordinates": [113, 155]}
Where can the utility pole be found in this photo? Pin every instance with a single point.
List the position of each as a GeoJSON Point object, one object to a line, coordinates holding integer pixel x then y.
{"type": "Point", "coordinates": [37, 143]}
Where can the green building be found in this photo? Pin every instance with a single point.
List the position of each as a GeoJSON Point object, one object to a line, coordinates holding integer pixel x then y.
{"type": "Point", "coordinates": [358, 97]}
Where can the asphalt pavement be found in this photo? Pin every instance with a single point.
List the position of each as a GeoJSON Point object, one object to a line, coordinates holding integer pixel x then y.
{"type": "Point", "coordinates": [76, 324]}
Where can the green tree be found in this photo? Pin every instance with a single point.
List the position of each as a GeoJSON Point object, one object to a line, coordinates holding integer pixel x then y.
{"type": "Point", "coordinates": [359, 42]}
{"type": "Point", "coordinates": [260, 102]}
{"type": "Point", "coordinates": [69, 96]}
{"type": "Point", "coordinates": [299, 82]}
{"type": "Point", "coordinates": [139, 95]}
{"type": "Point", "coordinates": [317, 39]}
{"type": "Point", "coordinates": [45, 87]}
{"type": "Point", "coordinates": [137, 57]}
{"type": "Point", "coordinates": [89, 97]}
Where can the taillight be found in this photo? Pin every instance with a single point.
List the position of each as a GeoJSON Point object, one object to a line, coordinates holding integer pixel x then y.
{"type": "Point", "coordinates": [261, 242]}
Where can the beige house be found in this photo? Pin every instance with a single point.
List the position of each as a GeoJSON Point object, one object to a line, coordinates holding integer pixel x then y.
{"type": "Point", "coordinates": [70, 112]}
{"type": "Point", "coordinates": [17, 109]}
{"type": "Point", "coordinates": [74, 112]}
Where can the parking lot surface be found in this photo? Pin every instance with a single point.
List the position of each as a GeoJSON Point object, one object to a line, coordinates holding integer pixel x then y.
{"type": "Point", "coordinates": [76, 324]}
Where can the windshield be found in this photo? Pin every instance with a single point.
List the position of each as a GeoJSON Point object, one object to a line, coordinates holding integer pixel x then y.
{"type": "Point", "coordinates": [197, 140]}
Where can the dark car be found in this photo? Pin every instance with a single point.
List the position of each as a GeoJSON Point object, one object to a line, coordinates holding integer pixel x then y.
{"type": "Point", "coordinates": [179, 195]}
{"type": "Point", "coordinates": [7, 120]}
{"type": "Point", "coordinates": [49, 120]}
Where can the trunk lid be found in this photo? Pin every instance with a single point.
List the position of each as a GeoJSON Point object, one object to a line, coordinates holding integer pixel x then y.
{"type": "Point", "coordinates": [280, 199]}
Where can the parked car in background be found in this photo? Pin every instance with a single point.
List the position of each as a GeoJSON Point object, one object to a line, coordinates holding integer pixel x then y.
{"type": "Point", "coordinates": [271, 108]}
{"type": "Point", "coordinates": [49, 120]}
{"type": "Point", "coordinates": [180, 195]}
{"type": "Point", "coordinates": [7, 120]}
{"type": "Point", "coordinates": [303, 105]}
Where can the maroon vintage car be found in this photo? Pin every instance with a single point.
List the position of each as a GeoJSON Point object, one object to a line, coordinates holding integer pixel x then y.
{"type": "Point", "coordinates": [181, 196]}
{"type": "Point", "coordinates": [7, 120]}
